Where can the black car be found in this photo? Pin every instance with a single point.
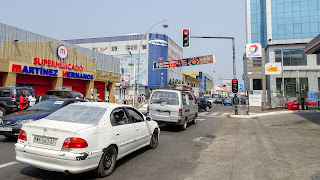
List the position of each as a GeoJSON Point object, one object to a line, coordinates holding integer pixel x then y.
{"type": "Point", "coordinates": [9, 98]}
{"type": "Point", "coordinates": [203, 103]}
{"type": "Point", "coordinates": [11, 124]}
{"type": "Point", "coordinates": [54, 94]}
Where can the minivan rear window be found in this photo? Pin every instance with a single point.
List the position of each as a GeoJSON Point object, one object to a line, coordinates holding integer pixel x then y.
{"type": "Point", "coordinates": [165, 97]}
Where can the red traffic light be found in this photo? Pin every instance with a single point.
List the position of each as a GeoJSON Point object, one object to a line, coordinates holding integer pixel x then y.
{"type": "Point", "coordinates": [185, 31]}
{"type": "Point", "coordinates": [234, 81]}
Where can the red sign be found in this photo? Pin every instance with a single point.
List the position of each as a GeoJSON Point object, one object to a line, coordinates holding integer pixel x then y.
{"type": "Point", "coordinates": [52, 63]}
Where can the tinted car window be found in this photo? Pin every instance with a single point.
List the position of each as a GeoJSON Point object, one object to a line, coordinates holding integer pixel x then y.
{"type": "Point", "coordinates": [118, 117]}
{"type": "Point", "coordinates": [202, 99]}
{"type": "Point", "coordinates": [170, 98]}
{"type": "Point", "coordinates": [27, 91]}
{"type": "Point", "coordinates": [136, 117]}
{"type": "Point", "coordinates": [78, 114]}
{"type": "Point", "coordinates": [4, 92]}
{"type": "Point", "coordinates": [74, 94]}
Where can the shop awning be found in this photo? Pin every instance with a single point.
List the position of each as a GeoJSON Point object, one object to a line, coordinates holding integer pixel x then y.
{"type": "Point", "coordinates": [313, 47]}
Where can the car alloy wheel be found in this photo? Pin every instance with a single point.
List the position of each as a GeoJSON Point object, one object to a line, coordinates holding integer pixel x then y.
{"type": "Point", "coordinates": [184, 125]}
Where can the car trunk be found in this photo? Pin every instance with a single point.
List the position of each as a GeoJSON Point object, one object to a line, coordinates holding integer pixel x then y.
{"type": "Point", "coordinates": [51, 134]}
{"type": "Point", "coordinates": [168, 113]}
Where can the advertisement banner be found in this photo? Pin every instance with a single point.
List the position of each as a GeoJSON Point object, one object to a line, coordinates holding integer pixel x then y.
{"type": "Point", "coordinates": [124, 81]}
{"type": "Point", "coordinates": [209, 59]}
{"type": "Point", "coordinates": [253, 50]}
{"type": "Point", "coordinates": [255, 100]}
{"type": "Point", "coordinates": [273, 68]}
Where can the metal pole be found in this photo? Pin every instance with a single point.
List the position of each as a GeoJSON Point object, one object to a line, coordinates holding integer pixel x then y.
{"type": "Point", "coordinates": [144, 36]}
{"type": "Point", "coordinates": [264, 83]}
{"type": "Point", "coordinates": [282, 78]}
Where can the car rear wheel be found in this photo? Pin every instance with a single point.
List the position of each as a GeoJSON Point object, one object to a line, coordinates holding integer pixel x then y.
{"type": "Point", "coordinates": [2, 112]}
{"type": "Point", "coordinates": [107, 162]}
{"type": "Point", "coordinates": [195, 119]}
{"type": "Point", "coordinates": [184, 125]}
{"type": "Point", "coordinates": [154, 141]}
{"type": "Point", "coordinates": [207, 108]}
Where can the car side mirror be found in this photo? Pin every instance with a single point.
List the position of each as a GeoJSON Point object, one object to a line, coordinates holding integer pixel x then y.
{"type": "Point", "coordinates": [148, 118]}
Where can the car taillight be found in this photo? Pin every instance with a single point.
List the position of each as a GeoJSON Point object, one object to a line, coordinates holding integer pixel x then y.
{"type": "Point", "coordinates": [14, 98]}
{"type": "Point", "coordinates": [195, 102]}
{"type": "Point", "coordinates": [74, 143]}
{"type": "Point", "coordinates": [180, 112]}
{"type": "Point", "coordinates": [22, 135]}
{"type": "Point", "coordinates": [147, 110]}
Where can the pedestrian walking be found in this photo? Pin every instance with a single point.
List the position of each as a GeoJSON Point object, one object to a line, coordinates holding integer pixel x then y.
{"type": "Point", "coordinates": [32, 99]}
{"type": "Point", "coordinates": [98, 98]}
{"type": "Point", "coordinates": [23, 101]}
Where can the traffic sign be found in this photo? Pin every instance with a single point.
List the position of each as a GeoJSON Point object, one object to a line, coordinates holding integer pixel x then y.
{"type": "Point", "coordinates": [240, 86]}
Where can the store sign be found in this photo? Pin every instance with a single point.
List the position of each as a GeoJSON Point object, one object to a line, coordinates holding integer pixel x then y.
{"type": "Point", "coordinates": [273, 68]}
{"type": "Point", "coordinates": [253, 50]}
{"type": "Point", "coordinates": [62, 52]}
{"type": "Point", "coordinates": [125, 81]}
{"type": "Point", "coordinates": [34, 70]}
{"type": "Point", "coordinates": [255, 100]}
{"type": "Point", "coordinates": [158, 42]}
{"type": "Point", "coordinates": [52, 63]}
{"type": "Point", "coordinates": [77, 75]}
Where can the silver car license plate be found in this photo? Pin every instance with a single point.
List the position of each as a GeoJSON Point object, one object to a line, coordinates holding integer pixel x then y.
{"type": "Point", "coordinates": [45, 140]}
{"type": "Point", "coordinates": [5, 128]}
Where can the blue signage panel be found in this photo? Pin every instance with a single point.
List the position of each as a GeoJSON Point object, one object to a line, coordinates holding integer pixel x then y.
{"type": "Point", "coordinates": [240, 86]}
{"type": "Point", "coordinates": [158, 51]}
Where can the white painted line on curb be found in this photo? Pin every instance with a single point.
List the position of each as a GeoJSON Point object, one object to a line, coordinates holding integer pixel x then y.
{"type": "Point", "coordinates": [201, 119]}
{"type": "Point", "coordinates": [8, 164]}
{"type": "Point", "coordinates": [213, 114]}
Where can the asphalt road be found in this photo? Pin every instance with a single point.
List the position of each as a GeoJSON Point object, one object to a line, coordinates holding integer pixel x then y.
{"type": "Point", "coordinates": [174, 158]}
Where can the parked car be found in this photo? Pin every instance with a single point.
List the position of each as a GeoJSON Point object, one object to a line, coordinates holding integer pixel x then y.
{"type": "Point", "coordinates": [54, 94]}
{"type": "Point", "coordinates": [227, 101]}
{"type": "Point", "coordinates": [11, 123]}
{"type": "Point", "coordinates": [215, 96]}
{"type": "Point", "coordinates": [309, 101]}
{"type": "Point", "coordinates": [85, 136]}
{"type": "Point", "coordinates": [9, 99]}
{"type": "Point", "coordinates": [173, 107]}
{"type": "Point", "coordinates": [210, 100]}
{"type": "Point", "coordinates": [143, 108]}
{"type": "Point", "coordinates": [203, 103]}
{"type": "Point", "coordinates": [218, 101]}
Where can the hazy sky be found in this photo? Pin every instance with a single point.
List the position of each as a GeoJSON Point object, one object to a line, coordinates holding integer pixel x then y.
{"type": "Point", "coordinates": [70, 19]}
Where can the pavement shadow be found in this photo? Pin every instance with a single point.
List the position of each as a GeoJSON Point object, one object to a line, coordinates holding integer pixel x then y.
{"type": "Point", "coordinates": [9, 139]}
{"type": "Point", "coordinates": [171, 128]}
{"type": "Point", "coordinates": [312, 117]}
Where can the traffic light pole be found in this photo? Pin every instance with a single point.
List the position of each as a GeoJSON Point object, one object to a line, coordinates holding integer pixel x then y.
{"type": "Point", "coordinates": [236, 101]}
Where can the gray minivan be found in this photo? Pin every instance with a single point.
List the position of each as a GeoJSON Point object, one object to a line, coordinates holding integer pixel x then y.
{"type": "Point", "coordinates": [173, 107]}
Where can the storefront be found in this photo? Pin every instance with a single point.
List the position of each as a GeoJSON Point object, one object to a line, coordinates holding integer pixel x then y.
{"type": "Point", "coordinates": [47, 65]}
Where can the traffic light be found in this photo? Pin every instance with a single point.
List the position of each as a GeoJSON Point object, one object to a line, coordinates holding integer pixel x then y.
{"type": "Point", "coordinates": [200, 75]}
{"type": "Point", "coordinates": [186, 37]}
{"type": "Point", "coordinates": [234, 85]}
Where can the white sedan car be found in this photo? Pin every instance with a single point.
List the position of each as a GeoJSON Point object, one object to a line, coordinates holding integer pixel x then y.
{"type": "Point", "coordinates": [85, 136]}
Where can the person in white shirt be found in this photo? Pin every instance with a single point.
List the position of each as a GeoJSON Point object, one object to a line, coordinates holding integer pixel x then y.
{"type": "Point", "coordinates": [32, 99]}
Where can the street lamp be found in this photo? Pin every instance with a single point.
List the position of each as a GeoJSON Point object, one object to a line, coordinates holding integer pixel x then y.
{"type": "Point", "coordinates": [134, 75]}
{"type": "Point", "coordinates": [144, 36]}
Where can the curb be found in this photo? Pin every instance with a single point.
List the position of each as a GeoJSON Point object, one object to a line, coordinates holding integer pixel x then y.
{"type": "Point", "coordinates": [272, 113]}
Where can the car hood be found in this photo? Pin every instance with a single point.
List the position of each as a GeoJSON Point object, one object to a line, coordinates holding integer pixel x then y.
{"type": "Point", "coordinates": [22, 115]}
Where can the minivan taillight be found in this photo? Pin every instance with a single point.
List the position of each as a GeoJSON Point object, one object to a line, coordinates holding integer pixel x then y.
{"type": "Point", "coordinates": [147, 110]}
{"type": "Point", "coordinates": [22, 135]}
{"type": "Point", "coordinates": [180, 112]}
{"type": "Point", "coordinates": [14, 98]}
{"type": "Point", "coordinates": [74, 143]}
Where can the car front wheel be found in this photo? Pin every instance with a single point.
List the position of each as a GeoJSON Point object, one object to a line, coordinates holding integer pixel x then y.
{"type": "Point", "coordinates": [207, 108]}
{"type": "Point", "coordinates": [107, 162]}
{"type": "Point", "coordinates": [2, 112]}
{"type": "Point", "coordinates": [154, 141]}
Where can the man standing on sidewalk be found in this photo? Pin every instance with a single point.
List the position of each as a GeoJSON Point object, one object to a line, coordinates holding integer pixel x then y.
{"type": "Point", "coordinates": [23, 101]}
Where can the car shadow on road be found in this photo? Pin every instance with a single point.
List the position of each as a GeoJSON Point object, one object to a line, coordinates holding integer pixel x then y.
{"type": "Point", "coordinates": [11, 139]}
{"type": "Point", "coordinates": [171, 128]}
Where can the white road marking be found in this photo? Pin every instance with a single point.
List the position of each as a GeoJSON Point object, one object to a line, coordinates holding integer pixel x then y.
{"type": "Point", "coordinates": [201, 119]}
{"type": "Point", "coordinates": [8, 164]}
{"type": "Point", "coordinates": [225, 114]}
{"type": "Point", "coordinates": [213, 114]}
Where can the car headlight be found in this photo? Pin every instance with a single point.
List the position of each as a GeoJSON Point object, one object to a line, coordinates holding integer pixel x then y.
{"type": "Point", "coordinates": [25, 121]}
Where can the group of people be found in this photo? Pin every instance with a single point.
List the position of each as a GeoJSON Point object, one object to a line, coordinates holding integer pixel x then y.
{"type": "Point", "coordinates": [25, 101]}
{"type": "Point", "coordinates": [82, 96]}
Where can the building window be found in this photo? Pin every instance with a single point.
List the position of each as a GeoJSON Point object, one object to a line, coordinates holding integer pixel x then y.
{"type": "Point", "coordinates": [144, 46]}
{"type": "Point", "coordinates": [256, 63]}
{"type": "Point", "coordinates": [318, 59]}
{"type": "Point", "coordinates": [257, 84]}
{"type": "Point", "coordinates": [318, 83]}
{"type": "Point", "coordinates": [131, 47]}
{"type": "Point", "coordinates": [114, 48]}
{"type": "Point", "coordinates": [291, 57]}
{"type": "Point", "coordinates": [290, 86]}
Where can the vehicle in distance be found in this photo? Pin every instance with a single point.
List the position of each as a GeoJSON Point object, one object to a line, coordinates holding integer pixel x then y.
{"type": "Point", "coordinates": [218, 101]}
{"type": "Point", "coordinates": [143, 108]}
{"type": "Point", "coordinates": [215, 96]}
{"type": "Point", "coordinates": [53, 94]}
{"type": "Point", "coordinates": [85, 136]}
{"type": "Point", "coordinates": [203, 103]}
{"type": "Point", "coordinates": [173, 107]}
{"type": "Point", "coordinates": [210, 100]}
{"type": "Point", "coordinates": [9, 98]}
{"type": "Point", "coordinates": [227, 101]}
{"type": "Point", "coordinates": [309, 101]}
{"type": "Point", "coordinates": [11, 123]}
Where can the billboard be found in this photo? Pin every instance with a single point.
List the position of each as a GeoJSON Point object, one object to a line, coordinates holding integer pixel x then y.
{"type": "Point", "coordinates": [124, 81]}
{"type": "Point", "coordinates": [184, 62]}
{"type": "Point", "coordinates": [273, 68]}
{"type": "Point", "coordinates": [253, 50]}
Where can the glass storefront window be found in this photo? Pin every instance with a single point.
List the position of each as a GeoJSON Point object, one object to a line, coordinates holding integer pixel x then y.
{"type": "Point", "coordinates": [291, 57]}
{"type": "Point", "coordinates": [290, 86]}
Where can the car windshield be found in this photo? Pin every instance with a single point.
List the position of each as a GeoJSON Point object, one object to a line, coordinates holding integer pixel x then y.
{"type": "Point", "coordinates": [27, 91]}
{"type": "Point", "coordinates": [165, 97]}
{"type": "Point", "coordinates": [201, 99]}
{"type": "Point", "coordinates": [74, 94]}
{"type": "Point", "coordinates": [47, 105]}
{"type": "Point", "coordinates": [215, 95]}
{"type": "Point", "coordinates": [78, 114]}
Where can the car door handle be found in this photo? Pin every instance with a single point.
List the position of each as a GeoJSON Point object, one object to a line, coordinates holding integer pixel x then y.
{"type": "Point", "coordinates": [137, 129]}
{"type": "Point", "coordinates": [117, 134]}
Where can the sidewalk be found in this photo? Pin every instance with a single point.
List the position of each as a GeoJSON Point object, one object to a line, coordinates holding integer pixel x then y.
{"type": "Point", "coordinates": [266, 113]}
{"type": "Point", "coordinates": [278, 147]}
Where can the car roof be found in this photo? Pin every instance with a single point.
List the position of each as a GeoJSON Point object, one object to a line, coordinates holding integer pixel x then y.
{"type": "Point", "coordinates": [15, 88]}
{"type": "Point", "coordinates": [102, 104]}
